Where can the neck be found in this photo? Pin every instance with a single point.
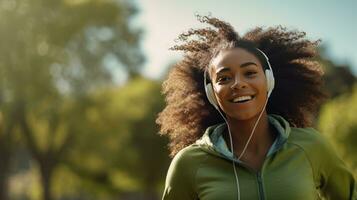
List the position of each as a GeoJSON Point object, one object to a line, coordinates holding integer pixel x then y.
{"type": "Point", "coordinates": [242, 129]}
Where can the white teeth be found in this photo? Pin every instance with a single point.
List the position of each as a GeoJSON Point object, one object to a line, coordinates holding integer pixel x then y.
{"type": "Point", "coordinates": [242, 98]}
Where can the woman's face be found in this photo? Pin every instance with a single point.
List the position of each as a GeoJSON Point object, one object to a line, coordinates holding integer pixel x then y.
{"type": "Point", "coordinates": [239, 83]}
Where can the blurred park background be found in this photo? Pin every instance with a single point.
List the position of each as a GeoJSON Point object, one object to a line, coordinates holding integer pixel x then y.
{"type": "Point", "coordinates": [80, 85]}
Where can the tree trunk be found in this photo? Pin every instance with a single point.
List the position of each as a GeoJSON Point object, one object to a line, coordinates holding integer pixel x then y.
{"type": "Point", "coordinates": [6, 150]}
{"type": "Point", "coordinates": [46, 175]}
{"type": "Point", "coordinates": [4, 171]}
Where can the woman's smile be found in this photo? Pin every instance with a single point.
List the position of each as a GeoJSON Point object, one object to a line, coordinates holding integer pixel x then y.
{"type": "Point", "coordinates": [239, 83]}
{"type": "Point", "coordinates": [242, 99]}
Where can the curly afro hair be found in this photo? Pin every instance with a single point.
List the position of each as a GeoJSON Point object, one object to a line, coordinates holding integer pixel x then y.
{"type": "Point", "coordinates": [298, 91]}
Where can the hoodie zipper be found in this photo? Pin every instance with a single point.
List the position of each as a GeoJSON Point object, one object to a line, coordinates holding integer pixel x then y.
{"type": "Point", "coordinates": [259, 176]}
{"type": "Point", "coordinates": [260, 186]}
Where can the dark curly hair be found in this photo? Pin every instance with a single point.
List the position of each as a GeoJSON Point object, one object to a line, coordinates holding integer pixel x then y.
{"type": "Point", "coordinates": [298, 91]}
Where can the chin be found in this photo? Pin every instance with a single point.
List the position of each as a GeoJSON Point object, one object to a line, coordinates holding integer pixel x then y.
{"type": "Point", "coordinates": [243, 116]}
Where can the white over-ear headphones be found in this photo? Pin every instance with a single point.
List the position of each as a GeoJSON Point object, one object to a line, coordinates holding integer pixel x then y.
{"type": "Point", "coordinates": [268, 74]}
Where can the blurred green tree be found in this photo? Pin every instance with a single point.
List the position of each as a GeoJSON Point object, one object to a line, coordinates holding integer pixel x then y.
{"type": "Point", "coordinates": [118, 148]}
{"type": "Point", "coordinates": [338, 122]}
{"type": "Point", "coordinates": [53, 52]}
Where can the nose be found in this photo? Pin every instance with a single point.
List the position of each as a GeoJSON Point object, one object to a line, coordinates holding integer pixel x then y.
{"type": "Point", "coordinates": [238, 83]}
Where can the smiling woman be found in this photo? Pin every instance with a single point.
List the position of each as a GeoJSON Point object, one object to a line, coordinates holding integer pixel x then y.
{"type": "Point", "coordinates": [238, 115]}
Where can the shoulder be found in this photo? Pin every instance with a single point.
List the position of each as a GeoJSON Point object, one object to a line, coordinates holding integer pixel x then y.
{"type": "Point", "coordinates": [318, 150]}
{"type": "Point", "coordinates": [186, 161]}
{"type": "Point", "coordinates": [187, 154]}
{"type": "Point", "coordinates": [313, 143]}
{"type": "Point", "coordinates": [309, 139]}
{"type": "Point", "coordinates": [332, 175]}
{"type": "Point", "coordinates": [181, 175]}
{"type": "Point", "coordinates": [187, 157]}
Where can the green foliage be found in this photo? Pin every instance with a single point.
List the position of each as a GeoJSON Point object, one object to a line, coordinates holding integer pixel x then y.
{"type": "Point", "coordinates": [53, 55]}
{"type": "Point", "coordinates": [51, 45]}
{"type": "Point", "coordinates": [117, 146]}
{"type": "Point", "coordinates": [338, 122]}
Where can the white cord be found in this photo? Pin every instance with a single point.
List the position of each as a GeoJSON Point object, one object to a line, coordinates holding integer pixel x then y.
{"type": "Point", "coordinates": [233, 163]}
{"type": "Point", "coordinates": [246, 144]}
{"type": "Point", "coordinates": [251, 135]}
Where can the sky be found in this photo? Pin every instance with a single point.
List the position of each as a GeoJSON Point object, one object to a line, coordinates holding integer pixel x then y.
{"type": "Point", "coordinates": [331, 21]}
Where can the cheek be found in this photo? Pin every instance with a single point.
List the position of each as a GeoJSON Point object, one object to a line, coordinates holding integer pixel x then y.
{"type": "Point", "coordinates": [221, 91]}
{"type": "Point", "coordinates": [262, 88]}
{"type": "Point", "coordinates": [264, 85]}
{"type": "Point", "coordinates": [259, 83]}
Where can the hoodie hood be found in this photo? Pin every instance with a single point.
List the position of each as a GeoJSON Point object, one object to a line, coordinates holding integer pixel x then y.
{"type": "Point", "coordinates": [213, 142]}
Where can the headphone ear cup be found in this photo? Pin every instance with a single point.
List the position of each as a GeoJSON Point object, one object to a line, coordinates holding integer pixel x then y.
{"type": "Point", "coordinates": [210, 95]}
{"type": "Point", "coordinates": [270, 81]}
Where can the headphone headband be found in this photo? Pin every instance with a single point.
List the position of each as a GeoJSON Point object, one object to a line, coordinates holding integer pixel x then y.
{"type": "Point", "coordinates": [266, 58]}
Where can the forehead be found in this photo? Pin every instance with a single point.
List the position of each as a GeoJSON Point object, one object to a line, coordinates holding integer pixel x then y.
{"type": "Point", "coordinates": [234, 57]}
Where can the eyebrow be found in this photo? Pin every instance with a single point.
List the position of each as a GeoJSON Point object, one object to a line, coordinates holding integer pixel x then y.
{"type": "Point", "coordinates": [224, 69]}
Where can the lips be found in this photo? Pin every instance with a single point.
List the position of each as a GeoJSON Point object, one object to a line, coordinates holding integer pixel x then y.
{"type": "Point", "coordinates": [242, 99]}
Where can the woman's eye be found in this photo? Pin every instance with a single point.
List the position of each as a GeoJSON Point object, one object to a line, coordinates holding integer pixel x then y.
{"type": "Point", "coordinates": [223, 79]}
{"type": "Point", "coordinates": [250, 73]}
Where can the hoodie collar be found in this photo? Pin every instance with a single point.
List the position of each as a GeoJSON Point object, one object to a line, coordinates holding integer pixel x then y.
{"type": "Point", "coordinates": [213, 141]}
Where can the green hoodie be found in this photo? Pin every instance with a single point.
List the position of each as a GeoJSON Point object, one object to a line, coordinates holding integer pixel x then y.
{"type": "Point", "coordinates": [300, 165]}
